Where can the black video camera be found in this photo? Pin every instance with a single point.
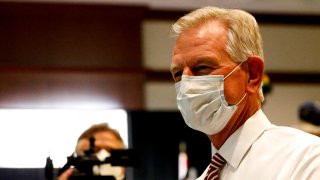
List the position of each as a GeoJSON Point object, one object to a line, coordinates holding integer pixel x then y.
{"type": "Point", "coordinates": [84, 164]}
{"type": "Point", "coordinates": [310, 112]}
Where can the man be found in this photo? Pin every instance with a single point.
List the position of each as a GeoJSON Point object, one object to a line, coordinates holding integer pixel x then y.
{"type": "Point", "coordinates": [106, 139]}
{"type": "Point", "coordinates": [218, 68]}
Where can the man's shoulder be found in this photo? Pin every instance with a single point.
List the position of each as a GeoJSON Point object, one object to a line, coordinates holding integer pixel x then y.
{"type": "Point", "coordinates": [291, 137]}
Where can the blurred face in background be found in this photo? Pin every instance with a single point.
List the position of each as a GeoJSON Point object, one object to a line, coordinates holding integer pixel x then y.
{"type": "Point", "coordinates": [104, 140]}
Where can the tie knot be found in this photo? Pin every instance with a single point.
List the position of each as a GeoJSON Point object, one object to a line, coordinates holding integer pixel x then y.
{"type": "Point", "coordinates": [217, 162]}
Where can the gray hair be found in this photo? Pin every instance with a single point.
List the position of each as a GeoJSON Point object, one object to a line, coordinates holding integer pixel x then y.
{"type": "Point", "coordinates": [244, 39]}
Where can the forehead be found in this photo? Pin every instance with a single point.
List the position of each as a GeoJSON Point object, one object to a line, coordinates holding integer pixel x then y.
{"type": "Point", "coordinates": [208, 39]}
{"type": "Point", "coordinates": [105, 136]}
{"type": "Point", "coordinates": [209, 30]}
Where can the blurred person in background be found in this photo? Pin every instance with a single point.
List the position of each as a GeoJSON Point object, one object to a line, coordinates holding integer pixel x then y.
{"type": "Point", "coordinates": [106, 139]}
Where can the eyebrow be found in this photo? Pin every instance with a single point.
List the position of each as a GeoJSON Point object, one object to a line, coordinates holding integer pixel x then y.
{"type": "Point", "coordinates": [206, 60]}
{"type": "Point", "coordinates": [200, 60]}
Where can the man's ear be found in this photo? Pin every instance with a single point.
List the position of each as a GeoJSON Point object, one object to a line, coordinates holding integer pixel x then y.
{"type": "Point", "coordinates": [255, 71]}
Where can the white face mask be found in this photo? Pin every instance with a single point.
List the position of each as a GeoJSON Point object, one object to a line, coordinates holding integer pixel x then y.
{"type": "Point", "coordinates": [107, 169]}
{"type": "Point", "coordinates": [201, 102]}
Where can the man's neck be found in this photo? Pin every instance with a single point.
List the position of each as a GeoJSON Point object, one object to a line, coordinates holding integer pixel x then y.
{"type": "Point", "coordinates": [243, 113]}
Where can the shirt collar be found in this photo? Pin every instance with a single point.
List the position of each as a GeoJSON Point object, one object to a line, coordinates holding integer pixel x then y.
{"type": "Point", "coordinates": [237, 145]}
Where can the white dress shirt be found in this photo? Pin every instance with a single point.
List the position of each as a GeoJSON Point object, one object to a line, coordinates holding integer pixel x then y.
{"type": "Point", "coordinates": [259, 150]}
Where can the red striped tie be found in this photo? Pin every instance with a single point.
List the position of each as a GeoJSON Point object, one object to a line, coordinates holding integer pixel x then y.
{"type": "Point", "coordinates": [217, 162]}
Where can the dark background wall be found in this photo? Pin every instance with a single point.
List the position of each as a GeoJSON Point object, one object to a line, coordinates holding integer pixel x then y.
{"type": "Point", "coordinates": [51, 53]}
{"type": "Point", "coordinates": [156, 136]}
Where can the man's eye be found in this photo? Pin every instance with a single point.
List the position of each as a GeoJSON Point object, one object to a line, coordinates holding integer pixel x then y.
{"type": "Point", "coordinates": [202, 69]}
{"type": "Point", "coordinates": [177, 76]}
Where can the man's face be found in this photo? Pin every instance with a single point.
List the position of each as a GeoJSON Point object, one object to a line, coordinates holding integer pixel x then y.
{"type": "Point", "coordinates": [103, 140]}
{"type": "Point", "coordinates": [201, 51]}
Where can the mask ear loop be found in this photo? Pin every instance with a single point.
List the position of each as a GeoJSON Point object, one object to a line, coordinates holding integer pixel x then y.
{"type": "Point", "coordinates": [241, 99]}
{"type": "Point", "coordinates": [229, 75]}
{"type": "Point", "coordinates": [233, 70]}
